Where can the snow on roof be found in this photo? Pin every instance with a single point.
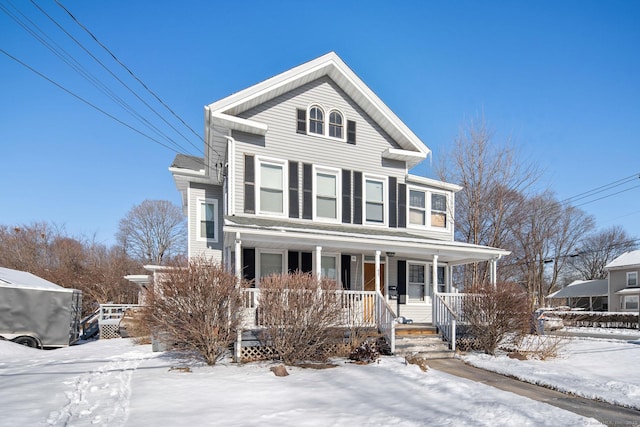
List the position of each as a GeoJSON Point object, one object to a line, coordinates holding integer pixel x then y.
{"type": "Point", "coordinates": [21, 279]}
{"type": "Point", "coordinates": [583, 288]}
{"type": "Point", "coordinates": [627, 259]}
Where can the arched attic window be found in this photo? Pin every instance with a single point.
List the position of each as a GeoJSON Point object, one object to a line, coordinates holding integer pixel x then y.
{"type": "Point", "coordinates": [316, 120]}
{"type": "Point", "coordinates": [336, 127]}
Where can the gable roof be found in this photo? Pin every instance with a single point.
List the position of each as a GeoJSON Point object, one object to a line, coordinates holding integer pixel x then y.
{"type": "Point", "coordinates": [329, 65]}
{"type": "Point", "coordinates": [583, 288]}
{"type": "Point", "coordinates": [627, 259]}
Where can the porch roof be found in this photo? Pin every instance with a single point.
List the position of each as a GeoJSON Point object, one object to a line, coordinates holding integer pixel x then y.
{"type": "Point", "coordinates": [336, 238]}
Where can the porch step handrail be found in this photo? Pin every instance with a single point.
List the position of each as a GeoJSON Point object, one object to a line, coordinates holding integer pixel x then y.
{"type": "Point", "coordinates": [446, 319]}
{"type": "Point", "coordinates": [386, 320]}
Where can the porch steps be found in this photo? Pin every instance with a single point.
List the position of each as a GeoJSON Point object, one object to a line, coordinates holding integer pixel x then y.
{"type": "Point", "coordinates": [422, 340]}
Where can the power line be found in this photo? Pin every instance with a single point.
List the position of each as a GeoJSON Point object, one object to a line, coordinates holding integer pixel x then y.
{"type": "Point", "coordinates": [134, 76]}
{"type": "Point", "coordinates": [97, 83]}
{"type": "Point", "coordinates": [608, 195]}
{"type": "Point", "coordinates": [86, 102]}
{"type": "Point", "coordinates": [601, 189]}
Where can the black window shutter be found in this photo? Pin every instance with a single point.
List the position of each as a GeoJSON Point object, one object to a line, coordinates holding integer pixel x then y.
{"type": "Point", "coordinates": [393, 203]}
{"type": "Point", "coordinates": [294, 201]}
{"type": "Point", "coordinates": [293, 258]}
{"type": "Point", "coordinates": [307, 191]}
{"type": "Point", "coordinates": [351, 132]}
{"type": "Point", "coordinates": [402, 282]}
{"type": "Point", "coordinates": [345, 266]}
{"type": "Point", "coordinates": [249, 184]}
{"type": "Point", "coordinates": [402, 205]}
{"type": "Point", "coordinates": [346, 196]}
{"type": "Point", "coordinates": [249, 265]}
{"type": "Point", "coordinates": [357, 197]}
{"type": "Point", "coordinates": [302, 121]}
{"type": "Point", "coordinates": [306, 262]}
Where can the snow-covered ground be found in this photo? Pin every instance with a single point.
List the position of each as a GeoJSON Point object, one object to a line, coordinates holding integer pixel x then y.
{"type": "Point", "coordinates": [115, 383]}
{"type": "Point", "coordinates": [602, 369]}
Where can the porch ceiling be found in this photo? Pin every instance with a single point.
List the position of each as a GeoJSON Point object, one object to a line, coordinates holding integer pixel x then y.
{"type": "Point", "coordinates": [278, 234]}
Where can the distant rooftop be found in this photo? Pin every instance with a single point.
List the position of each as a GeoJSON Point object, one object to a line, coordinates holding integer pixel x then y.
{"type": "Point", "coordinates": [627, 259]}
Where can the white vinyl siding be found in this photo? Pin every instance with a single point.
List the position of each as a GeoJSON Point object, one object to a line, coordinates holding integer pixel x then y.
{"type": "Point", "coordinates": [196, 195]}
{"type": "Point", "coordinates": [283, 142]}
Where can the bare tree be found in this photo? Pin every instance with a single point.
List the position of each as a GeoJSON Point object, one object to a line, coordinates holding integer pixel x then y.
{"type": "Point", "coordinates": [47, 251]}
{"type": "Point", "coordinates": [599, 249]}
{"type": "Point", "coordinates": [153, 232]}
{"type": "Point", "coordinates": [546, 232]}
{"type": "Point", "coordinates": [493, 178]}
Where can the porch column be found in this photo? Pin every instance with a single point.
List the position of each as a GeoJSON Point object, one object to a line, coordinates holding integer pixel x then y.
{"type": "Point", "coordinates": [493, 270]}
{"type": "Point", "coordinates": [377, 271]}
{"type": "Point", "coordinates": [318, 265]}
{"type": "Point", "coordinates": [449, 278]}
{"type": "Point", "coordinates": [238, 260]}
{"type": "Point", "coordinates": [434, 283]}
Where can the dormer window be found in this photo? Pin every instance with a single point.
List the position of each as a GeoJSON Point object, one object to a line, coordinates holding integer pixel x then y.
{"type": "Point", "coordinates": [335, 125]}
{"type": "Point", "coordinates": [312, 122]}
{"type": "Point", "coordinates": [316, 120]}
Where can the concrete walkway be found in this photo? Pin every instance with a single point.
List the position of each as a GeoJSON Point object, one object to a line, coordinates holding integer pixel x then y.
{"type": "Point", "coordinates": [610, 415]}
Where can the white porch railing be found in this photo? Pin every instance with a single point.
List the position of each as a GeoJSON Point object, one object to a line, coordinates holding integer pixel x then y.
{"type": "Point", "coordinates": [110, 314]}
{"type": "Point", "coordinates": [446, 318]}
{"type": "Point", "coordinates": [359, 308]}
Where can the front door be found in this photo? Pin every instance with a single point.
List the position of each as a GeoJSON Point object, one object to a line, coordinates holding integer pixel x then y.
{"type": "Point", "coordinates": [370, 277]}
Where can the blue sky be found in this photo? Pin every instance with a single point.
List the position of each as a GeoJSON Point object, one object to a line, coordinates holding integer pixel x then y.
{"type": "Point", "coordinates": [561, 79]}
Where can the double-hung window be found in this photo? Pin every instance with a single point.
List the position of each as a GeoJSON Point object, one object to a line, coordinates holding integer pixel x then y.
{"type": "Point", "coordinates": [329, 267]}
{"type": "Point", "coordinates": [270, 263]}
{"type": "Point", "coordinates": [374, 201]}
{"type": "Point", "coordinates": [327, 206]}
{"type": "Point", "coordinates": [416, 285]}
{"type": "Point", "coordinates": [316, 120]}
{"type": "Point", "coordinates": [272, 178]}
{"type": "Point", "coordinates": [630, 302]}
{"type": "Point", "coordinates": [417, 207]}
{"type": "Point", "coordinates": [632, 279]}
{"type": "Point", "coordinates": [438, 210]}
{"type": "Point", "coordinates": [335, 125]}
{"type": "Point", "coordinates": [207, 219]}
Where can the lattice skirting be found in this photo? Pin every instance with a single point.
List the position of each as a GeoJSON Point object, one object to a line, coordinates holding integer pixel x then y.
{"type": "Point", "coordinates": [255, 353]}
{"type": "Point", "coordinates": [109, 331]}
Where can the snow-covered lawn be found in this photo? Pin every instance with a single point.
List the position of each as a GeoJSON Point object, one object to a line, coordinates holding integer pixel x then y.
{"type": "Point", "coordinates": [115, 383]}
{"type": "Point", "coordinates": [602, 369]}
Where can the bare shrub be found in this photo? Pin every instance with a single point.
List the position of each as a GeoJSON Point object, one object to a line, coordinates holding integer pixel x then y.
{"type": "Point", "coordinates": [196, 307]}
{"type": "Point", "coordinates": [495, 314]}
{"type": "Point", "coordinates": [538, 347]}
{"type": "Point", "coordinates": [300, 316]}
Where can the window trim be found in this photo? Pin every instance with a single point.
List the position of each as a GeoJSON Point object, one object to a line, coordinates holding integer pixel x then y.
{"type": "Point", "coordinates": [284, 164]}
{"type": "Point", "coordinates": [426, 297]}
{"type": "Point", "coordinates": [199, 203]}
{"type": "Point", "coordinates": [258, 265]}
{"type": "Point", "coordinates": [335, 256]}
{"type": "Point", "coordinates": [385, 199]}
{"type": "Point", "coordinates": [629, 274]}
{"type": "Point", "coordinates": [338, 194]}
{"type": "Point", "coordinates": [428, 210]}
{"type": "Point", "coordinates": [326, 113]}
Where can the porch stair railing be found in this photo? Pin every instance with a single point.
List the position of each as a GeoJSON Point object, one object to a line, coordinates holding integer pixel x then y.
{"type": "Point", "coordinates": [449, 314]}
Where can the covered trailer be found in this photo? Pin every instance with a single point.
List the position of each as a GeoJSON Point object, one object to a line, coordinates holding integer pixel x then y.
{"type": "Point", "coordinates": [36, 312]}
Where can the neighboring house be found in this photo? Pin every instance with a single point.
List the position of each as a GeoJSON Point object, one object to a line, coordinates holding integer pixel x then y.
{"type": "Point", "coordinates": [587, 294]}
{"type": "Point", "coordinates": [309, 170]}
{"type": "Point", "coordinates": [624, 289]}
{"type": "Point", "coordinates": [619, 292]}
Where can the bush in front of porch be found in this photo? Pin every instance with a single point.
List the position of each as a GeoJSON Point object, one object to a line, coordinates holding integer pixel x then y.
{"type": "Point", "coordinates": [196, 307]}
{"type": "Point", "coordinates": [300, 315]}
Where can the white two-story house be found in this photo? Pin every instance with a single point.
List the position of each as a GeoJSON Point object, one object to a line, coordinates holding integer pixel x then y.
{"type": "Point", "coordinates": [309, 170]}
